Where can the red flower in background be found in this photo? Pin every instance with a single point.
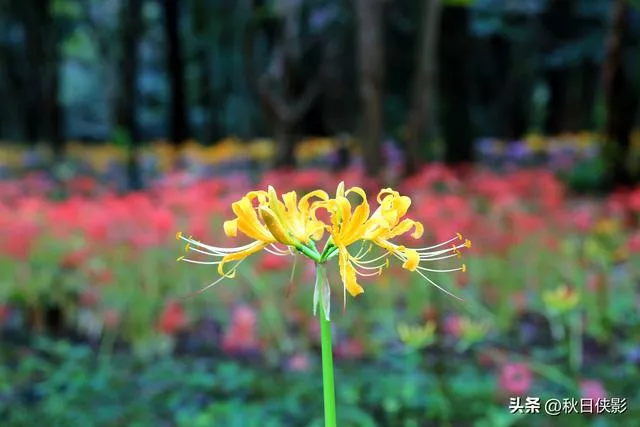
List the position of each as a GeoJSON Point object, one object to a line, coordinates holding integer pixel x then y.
{"type": "Point", "coordinates": [172, 319]}
{"type": "Point", "coordinates": [633, 245]}
{"type": "Point", "coordinates": [74, 259]}
{"type": "Point", "coordinates": [18, 239]}
{"type": "Point", "coordinates": [271, 262]}
{"type": "Point", "coordinates": [634, 201]}
{"type": "Point", "coordinates": [5, 312]}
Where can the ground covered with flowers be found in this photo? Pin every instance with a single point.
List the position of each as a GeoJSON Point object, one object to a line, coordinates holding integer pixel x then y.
{"type": "Point", "coordinates": [97, 329]}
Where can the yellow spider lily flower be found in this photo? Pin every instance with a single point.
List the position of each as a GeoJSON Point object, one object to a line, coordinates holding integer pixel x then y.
{"type": "Point", "coordinates": [269, 223]}
{"type": "Point", "coordinates": [418, 336]}
{"type": "Point", "coordinates": [561, 300]}
{"type": "Point", "coordinates": [349, 226]}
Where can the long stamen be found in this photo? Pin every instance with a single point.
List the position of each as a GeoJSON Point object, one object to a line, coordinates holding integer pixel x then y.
{"type": "Point", "coordinates": [193, 261]}
{"type": "Point", "coordinates": [360, 254]}
{"type": "Point", "coordinates": [403, 259]}
{"type": "Point", "coordinates": [442, 251]}
{"type": "Point", "coordinates": [463, 268]}
{"type": "Point", "coordinates": [216, 249]}
{"type": "Point", "coordinates": [369, 261]}
{"type": "Point", "coordinates": [375, 267]}
{"type": "Point", "coordinates": [453, 239]}
{"type": "Point", "coordinates": [228, 274]}
{"type": "Point", "coordinates": [282, 251]}
{"type": "Point", "coordinates": [376, 273]}
{"type": "Point", "coordinates": [439, 287]}
{"type": "Point", "coordinates": [188, 248]}
{"type": "Point", "coordinates": [271, 251]}
{"type": "Point", "coordinates": [457, 254]}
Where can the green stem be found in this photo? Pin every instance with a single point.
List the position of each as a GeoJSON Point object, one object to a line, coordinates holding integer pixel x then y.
{"type": "Point", "coordinates": [327, 371]}
{"type": "Point", "coordinates": [314, 255]}
{"type": "Point", "coordinates": [575, 343]}
{"type": "Point", "coordinates": [328, 246]}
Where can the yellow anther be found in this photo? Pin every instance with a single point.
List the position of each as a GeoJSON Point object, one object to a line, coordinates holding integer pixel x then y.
{"type": "Point", "coordinates": [459, 236]}
{"type": "Point", "coordinates": [179, 235]}
{"type": "Point", "coordinates": [467, 243]}
{"type": "Point", "coordinates": [180, 258]}
{"type": "Point", "coordinates": [186, 247]}
{"type": "Point", "coordinates": [464, 268]}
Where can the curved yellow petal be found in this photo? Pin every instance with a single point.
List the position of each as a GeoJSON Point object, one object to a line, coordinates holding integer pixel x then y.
{"type": "Point", "coordinates": [357, 225]}
{"type": "Point", "coordinates": [231, 227]}
{"type": "Point", "coordinates": [303, 204]}
{"type": "Point", "coordinates": [388, 192]}
{"type": "Point", "coordinates": [401, 205]}
{"type": "Point", "coordinates": [348, 273]}
{"type": "Point", "coordinates": [290, 202]}
{"type": "Point", "coordinates": [418, 230]}
{"type": "Point", "coordinates": [275, 204]}
{"type": "Point", "coordinates": [261, 195]}
{"type": "Point", "coordinates": [316, 230]}
{"type": "Point", "coordinates": [359, 191]}
{"type": "Point", "coordinates": [404, 226]}
{"type": "Point", "coordinates": [237, 256]}
{"type": "Point", "coordinates": [275, 226]}
{"type": "Point", "coordinates": [412, 259]}
{"type": "Point", "coordinates": [248, 222]}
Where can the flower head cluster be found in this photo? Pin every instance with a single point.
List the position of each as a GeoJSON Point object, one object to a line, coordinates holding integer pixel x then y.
{"type": "Point", "coordinates": [289, 226]}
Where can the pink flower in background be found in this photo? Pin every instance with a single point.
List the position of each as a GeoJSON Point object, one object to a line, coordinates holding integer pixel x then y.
{"type": "Point", "coordinates": [298, 363]}
{"type": "Point", "coordinates": [111, 318]}
{"type": "Point", "coordinates": [583, 220]}
{"type": "Point", "coordinates": [350, 349]}
{"type": "Point", "coordinates": [241, 333]}
{"type": "Point", "coordinates": [452, 325]}
{"type": "Point", "coordinates": [592, 389]}
{"type": "Point", "coordinates": [90, 297]}
{"type": "Point", "coordinates": [515, 378]}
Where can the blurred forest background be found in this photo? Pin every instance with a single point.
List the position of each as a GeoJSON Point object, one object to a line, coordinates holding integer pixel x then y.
{"type": "Point", "coordinates": [415, 72]}
{"type": "Point", "coordinates": [515, 123]}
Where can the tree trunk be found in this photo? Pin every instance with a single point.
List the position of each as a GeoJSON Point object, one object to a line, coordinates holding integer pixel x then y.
{"type": "Point", "coordinates": [33, 16]}
{"type": "Point", "coordinates": [455, 116]}
{"type": "Point", "coordinates": [421, 113]}
{"type": "Point", "coordinates": [337, 104]}
{"type": "Point", "coordinates": [51, 83]}
{"type": "Point", "coordinates": [211, 124]}
{"type": "Point", "coordinates": [558, 25]}
{"type": "Point", "coordinates": [179, 129]}
{"type": "Point", "coordinates": [371, 64]}
{"type": "Point", "coordinates": [589, 84]}
{"type": "Point", "coordinates": [128, 99]}
{"type": "Point", "coordinates": [620, 101]}
{"type": "Point", "coordinates": [284, 103]}
{"type": "Point", "coordinates": [208, 35]}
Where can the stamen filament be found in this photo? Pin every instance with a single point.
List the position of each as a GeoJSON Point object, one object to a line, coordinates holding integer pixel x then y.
{"type": "Point", "coordinates": [426, 248]}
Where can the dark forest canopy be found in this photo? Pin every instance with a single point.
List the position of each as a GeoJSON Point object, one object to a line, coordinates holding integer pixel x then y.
{"type": "Point", "coordinates": [95, 70]}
